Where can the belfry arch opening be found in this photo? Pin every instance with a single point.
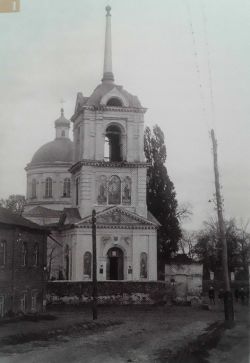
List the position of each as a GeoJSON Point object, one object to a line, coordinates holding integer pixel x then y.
{"type": "Point", "coordinates": [114, 102]}
{"type": "Point", "coordinates": [113, 144]}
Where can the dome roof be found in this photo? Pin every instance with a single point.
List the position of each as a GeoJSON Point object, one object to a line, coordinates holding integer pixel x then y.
{"type": "Point", "coordinates": [105, 88]}
{"type": "Point", "coordinates": [62, 121]}
{"type": "Point", "coordinates": [59, 150]}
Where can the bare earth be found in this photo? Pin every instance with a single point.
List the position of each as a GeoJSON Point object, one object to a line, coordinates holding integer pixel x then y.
{"type": "Point", "coordinates": [122, 334]}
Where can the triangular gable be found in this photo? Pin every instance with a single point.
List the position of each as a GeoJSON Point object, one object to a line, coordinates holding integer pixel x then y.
{"type": "Point", "coordinates": [115, 217]}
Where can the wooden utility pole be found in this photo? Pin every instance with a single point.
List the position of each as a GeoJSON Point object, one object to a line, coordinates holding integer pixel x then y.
{"type": "Point", "coordinates": [228, 300]}
{"type": "Point", "coordinates": [94, 291]}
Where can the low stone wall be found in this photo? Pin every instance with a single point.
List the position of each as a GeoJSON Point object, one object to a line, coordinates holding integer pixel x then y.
{"type": "Point", "coordinates": [109, 292]}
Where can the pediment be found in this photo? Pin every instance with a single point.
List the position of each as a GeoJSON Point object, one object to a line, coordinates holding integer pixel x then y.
{"type": "Point", "coordinates": [114, 93]}
{"type": "Point", "coordinates": [116, 217]}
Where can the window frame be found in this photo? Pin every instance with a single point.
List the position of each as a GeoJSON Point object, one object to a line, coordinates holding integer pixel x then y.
{"type": "Point", "coordinates": [24, 254]}
{"type": "Point", "coordinates": [89, 254]}
{"type": "Point", "coordinates": [77, 184]}
{"type": "Point", "coordinates": [3, 244]}
{"type": "Point", "coordinates": [48, 187]}
{"type": "Point", "coordinates": [66, 187]}
{"type": "Point", "coordinates": [36, 255]}
{"type": "Point", "coordinates": [33, 189]}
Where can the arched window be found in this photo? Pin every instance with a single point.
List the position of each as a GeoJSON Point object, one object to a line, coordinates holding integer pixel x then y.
{"type": "Point", "coordinates": [48, 188]}
{"type": "Point", "coordinates": [24, 254]}
{"type": "Point", "coordinates": [114, 102]}
{"type": "Point", "coordinates": [36, 255]}
{"type": "Point", "coordinates": [33, 188]}
{"type": "Point", "coordinates": [87, 264]}
{"type": "Point", "coordinates": [144, 265]}
{"type": "Point", "coordinates": [126, 190]}
{"type": "Point", "coordinates": [66, 256]}
{"type": "Point", "coordinates": [3, 245]}
{"type": "Point", "coordinates": [63, 133]}
{"type": "Point", "coordinates": [114, 190]}
{"type": "Point", "coordinates": [77, 190]}
{"type": "Point", "coordinates": [113, 143]}
{"type": "Point", "coordinates": [66, 187]}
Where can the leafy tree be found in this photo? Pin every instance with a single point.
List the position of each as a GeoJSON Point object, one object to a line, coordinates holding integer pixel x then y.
{"type": "Point", "coordinates": [161, 196]}
{"type": "Point", "coordinates": [184, 212]}
{"type": "Point", "coordinates": [15, 202]}
{"type": "Point", "coordinates": [209, 250]}
{"type": "Point", "coordinates": [187, 242]}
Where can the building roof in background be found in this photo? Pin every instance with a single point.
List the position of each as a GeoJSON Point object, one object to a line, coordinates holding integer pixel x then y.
{"type": "Point", "coordinates": [9, 218]}
{"type": "Point", "coordinates": [181, 259]}
{"type": "Point", "coordinates": [41, 212]}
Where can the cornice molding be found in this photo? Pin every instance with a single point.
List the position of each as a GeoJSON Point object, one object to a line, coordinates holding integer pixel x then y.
{"type": "Point", "coordinates": [104, 108]}
{"type": "Point", "coordinates": [118, 226]}
{"type": "Point", "coordinates": [108, 164]}
{"type": "Point", "coordinates": [59, 164]}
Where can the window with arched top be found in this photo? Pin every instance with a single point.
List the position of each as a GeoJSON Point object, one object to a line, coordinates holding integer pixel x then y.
{"type": "Point", "coordinates": [48, 188]}
{"type": "Point", "coordinates": [33, 188]}
{"type": "Point", "coordinates": [114, 190]}
{"type": "Point", "coordinates": [36, 255]}
{"type": "Point", "coordinates": [87, 264]}
{"type": "Point", "coordinates": [66, 187]}
{"type": "Point", "coordinates": [77, 190]}
{"type": "Point", "coordinates": [143, 265]}
{"type": "Point", "coordinates": [113, 143]}
{"type": "Point", "coordinates": [63, 133]}
{"type": "Point", "coordinates": [114, 102]}
{"type": "Point", "coordinates": [66, 257]}
{"type": "Point", "coordinates": [3, 245]}
{"type": "Point", "coordinates": [24, 254]}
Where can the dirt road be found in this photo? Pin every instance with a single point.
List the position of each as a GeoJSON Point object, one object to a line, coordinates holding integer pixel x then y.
{"type": "Point", "coordinates": [135, 334]}
{"type": "Point", "coordinates": [146, 334]}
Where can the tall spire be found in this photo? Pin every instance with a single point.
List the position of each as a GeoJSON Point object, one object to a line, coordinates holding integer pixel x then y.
{"type": "Point", "coordinates": [107, 67]}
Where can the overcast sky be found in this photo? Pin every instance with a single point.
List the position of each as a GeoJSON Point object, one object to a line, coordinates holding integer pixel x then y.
{"type": "Point", "coordinates": [167, 52]}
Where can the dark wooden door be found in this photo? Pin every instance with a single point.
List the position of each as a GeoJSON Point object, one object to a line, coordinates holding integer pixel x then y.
{"type": "Point", "coordinates": [115, 255]}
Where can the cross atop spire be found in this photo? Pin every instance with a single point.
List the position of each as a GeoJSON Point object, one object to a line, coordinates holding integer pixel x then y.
{"type": "Point", "coordinates": [107, 67]}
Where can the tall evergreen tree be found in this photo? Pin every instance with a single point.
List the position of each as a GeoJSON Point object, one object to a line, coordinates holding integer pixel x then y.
{"type": "Point", "coordinates": [161, 196]}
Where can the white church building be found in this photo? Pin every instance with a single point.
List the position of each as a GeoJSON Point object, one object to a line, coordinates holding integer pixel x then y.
{"type": "Point", "coordinates": [104, 169]}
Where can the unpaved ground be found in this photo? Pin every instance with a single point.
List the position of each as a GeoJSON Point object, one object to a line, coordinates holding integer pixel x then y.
{"type": "Point", "coordinates": [142, 334]}
{"type": "Point", "coordinates": [128, 334]}
{"type": "Point", "coordinates": [234, 346]}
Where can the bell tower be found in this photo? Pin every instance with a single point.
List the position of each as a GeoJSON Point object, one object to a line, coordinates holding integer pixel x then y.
{"type": "Point", "coordinates": [109, 165]}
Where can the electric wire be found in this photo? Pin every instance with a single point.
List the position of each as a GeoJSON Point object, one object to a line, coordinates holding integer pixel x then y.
{"type": "Point", "coordinates": [196, 63]}
{"type": "Point", "coordinates": [208, 57]}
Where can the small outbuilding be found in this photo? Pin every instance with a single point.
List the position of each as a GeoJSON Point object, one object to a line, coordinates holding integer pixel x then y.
{"type": "Point", "coordinates": [185, 276]}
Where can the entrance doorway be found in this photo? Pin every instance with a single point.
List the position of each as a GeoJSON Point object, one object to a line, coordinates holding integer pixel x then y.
{"type": "Point", "coordinates": [115, 264]}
